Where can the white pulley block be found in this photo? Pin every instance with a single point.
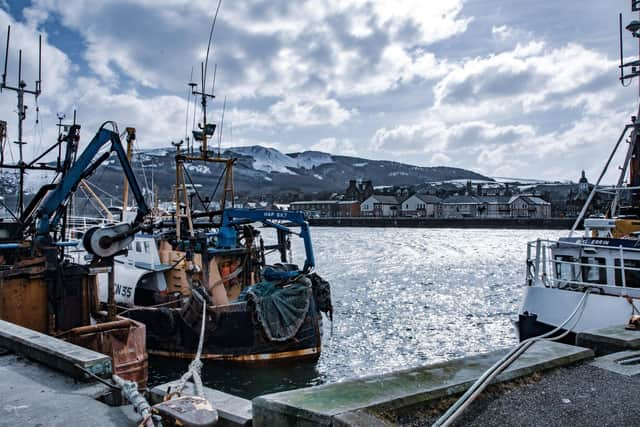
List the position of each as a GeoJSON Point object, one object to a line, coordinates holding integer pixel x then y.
{"type": "Point", "coordinates": [108, 241]}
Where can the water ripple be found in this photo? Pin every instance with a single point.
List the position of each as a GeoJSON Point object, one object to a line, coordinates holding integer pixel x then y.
{"type": "Point", "coordinates": [402, 297]}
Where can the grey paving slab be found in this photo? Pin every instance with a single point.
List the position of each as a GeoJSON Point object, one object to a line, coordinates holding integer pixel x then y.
{"type": "Point", "coordinates": [321, 405]}
{"type": "Point", "coordinates": [623, 363]}
{"type": "Point", "coordinates": [609, 340]}
{"type": "Point", "coordinates": [32, 395]}
{"type": "Point", "coordinates": [53, 352]}
{"type": "Point", "coordinates": [232, 410]}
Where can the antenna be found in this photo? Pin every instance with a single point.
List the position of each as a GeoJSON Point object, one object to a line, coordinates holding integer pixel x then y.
{"type": "Point", "coordinates": [206, 59]}
{"type": "Point", "coordinates": [213, 85]}
{"type": "Point", "coordinates": [3, 140]}
{"type": "Point", "coordinates": [6, 58]}
{"type": "Point", "coordinates": [21, 90]}
{"type": "Point", "coordinates": [224, 106]}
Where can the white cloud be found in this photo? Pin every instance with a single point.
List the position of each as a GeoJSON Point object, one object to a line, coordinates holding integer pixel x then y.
{"type": "Point", "coordinates": [309, 112]}
{"type": "Point", "coordinates": [333, 145]}
{"type": "Point", "coordinates": [530, 75]}
{"type": "Point", "coordinates": [420, 82]}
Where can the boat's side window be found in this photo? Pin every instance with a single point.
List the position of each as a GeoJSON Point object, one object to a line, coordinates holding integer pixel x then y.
{"type": "Point", "coordinates": [564, 269]}
{"type": "Point", "coordinates": [146, 247]}
{"type": "Point", "coordinates": [631, 273]}
{"type": "Point", "coordinates": [138, 247]}
{"type": "Point", "coordinates": [591, 272]}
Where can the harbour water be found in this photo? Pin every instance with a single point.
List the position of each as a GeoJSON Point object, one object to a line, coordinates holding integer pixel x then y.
{"type": "Point", "coordinates": [402, 297]}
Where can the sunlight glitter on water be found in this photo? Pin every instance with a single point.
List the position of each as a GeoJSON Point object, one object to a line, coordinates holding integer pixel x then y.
{"type": "Point", "coordinates": [405, 297]}
{"type": "Point", "coordinates": [402, 298]}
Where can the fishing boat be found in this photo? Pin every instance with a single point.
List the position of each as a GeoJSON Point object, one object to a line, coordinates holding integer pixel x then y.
{"type": "Point", "coordinates": [257, 308]}
{"type": "Point", "coordinates": [40, 288]}
{"type": "Point", "coordinates": [603, 262]}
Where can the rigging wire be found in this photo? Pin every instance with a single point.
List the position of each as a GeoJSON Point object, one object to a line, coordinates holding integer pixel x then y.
{"type": "Point", "coordinates": [90, 200]}
{"type": "Point", "coordinates": [9, 210]}
{"type": "Point", "coordinates": [206, 60]}
{"type": "Point", "coordinates": [193, 186]}
{"type": "Point", "coordinates": [95, 187]}
{"type": "Point", "coordinates": [195, 111]}
{"type": "Point", "coordinates": [215, 189]}
{"type": "Point", "coordinates": [224, 107]}
{"type": "Point", "coordinates": [137, 151]}
{"type": "Point", "coordinates": [186, 119]}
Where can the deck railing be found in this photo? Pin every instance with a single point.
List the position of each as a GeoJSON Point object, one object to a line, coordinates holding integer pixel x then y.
{"type": "Point", "coordinates": [543, 268]}
{"type": "Point", "coordinates": [78, 225]}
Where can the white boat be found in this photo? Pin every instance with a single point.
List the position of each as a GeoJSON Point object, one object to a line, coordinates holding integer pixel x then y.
{"type": "Point", "coordinates": [603, 262]}
{"type": "Point", "coordinates": [560, 272]}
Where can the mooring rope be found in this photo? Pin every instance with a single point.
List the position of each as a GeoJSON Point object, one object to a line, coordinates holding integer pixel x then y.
{"type": "Point", "coordinates": [472, 393]}
{"type": "Point", "coordinates": [195, 367]}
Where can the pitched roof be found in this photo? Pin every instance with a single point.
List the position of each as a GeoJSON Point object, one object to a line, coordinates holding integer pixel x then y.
{"type": "Point", "coordinates": [493, 200]}
{"type": "Point", "coordinates": [531, 200]}
{"type": "Point", "coordinates": [428, 198]}
{"type": "Point", "coordinates": [460, 200]}
{"type": "Point", "coordinates": [385, 200]}
{"type": "Point", "coordinates": [535, 200]}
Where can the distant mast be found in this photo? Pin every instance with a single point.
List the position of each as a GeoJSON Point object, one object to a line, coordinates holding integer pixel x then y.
{"type": "Point", "coordinates": [21, 90]}
{"type": "Point", "coordinates": [203, 135]}
{"type": "Point", "coordinates": [629, 71]}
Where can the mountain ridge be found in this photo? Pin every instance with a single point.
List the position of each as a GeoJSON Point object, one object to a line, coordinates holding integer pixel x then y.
{"type": "Point", "coordinates": [261, 171]}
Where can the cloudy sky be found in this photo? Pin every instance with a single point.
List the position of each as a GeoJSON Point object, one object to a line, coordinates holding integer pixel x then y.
{"type": "Point", "coordinates": [510, 88]}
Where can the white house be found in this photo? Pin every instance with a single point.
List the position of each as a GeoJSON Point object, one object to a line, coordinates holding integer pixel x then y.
{"type": "Point", "coordinates": [523, 206]}
{"type": "Point", "coordinates": [422, 205]}
{"type": "Point", "coordinates": [379, 205]}
{"type": "Point", "coordinates": [460, 207]}
{"type": "Point", "coordinates": [494, 206]}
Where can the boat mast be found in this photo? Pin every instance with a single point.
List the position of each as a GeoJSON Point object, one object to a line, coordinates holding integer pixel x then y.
{"type": "Point", "coordinates": [131, 137]}
{"type": "Point", "coordinates": [21, 90]}
{"type": "Point", "coordinates": [204, 134]}
{"type": "Point", "coordinates": [629, 71]}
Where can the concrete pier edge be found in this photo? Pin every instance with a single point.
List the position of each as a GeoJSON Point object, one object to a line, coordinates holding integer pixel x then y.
{"type": "Point", "coordinates": [353, 402]}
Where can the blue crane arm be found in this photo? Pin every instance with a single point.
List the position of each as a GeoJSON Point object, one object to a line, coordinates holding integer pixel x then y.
{"type": "Point", "coordinates": [234, 216]}
{"type": "Point", "coordinates": [49, 214]}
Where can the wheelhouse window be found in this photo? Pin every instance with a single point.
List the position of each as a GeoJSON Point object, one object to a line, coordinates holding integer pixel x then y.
{"type": "Point", "coordinates": [631, 273]}
{"type": "Point", "coordinates": [565, 270]}
{"type": "Point", "coordinates": [592, 272]}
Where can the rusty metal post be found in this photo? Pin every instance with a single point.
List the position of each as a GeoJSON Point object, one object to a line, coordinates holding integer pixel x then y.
{"type": "Point", "coordinates": [112, 291]}
{"type": "Point", "coordinates": [131, 137]}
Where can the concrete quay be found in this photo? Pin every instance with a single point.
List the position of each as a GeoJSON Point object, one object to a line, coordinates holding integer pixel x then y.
{"type": "Point", "coordinates": [32, 394]}
{"type": "Point", "coordinates": [362, 401]}
{"type": "Point", "coordinates": [550, 384]}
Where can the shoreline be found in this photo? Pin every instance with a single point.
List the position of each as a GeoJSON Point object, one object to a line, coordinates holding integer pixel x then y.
{"type": "Point", "coordinates": [400, 222]}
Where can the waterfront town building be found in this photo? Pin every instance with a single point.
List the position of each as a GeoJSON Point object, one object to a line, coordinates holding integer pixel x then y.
{"type": "Point", "coordinates": [380, 205]}
{"type": "Point", "coordinates": [327, 208]}
{"type": "Point", "coordinates": [358, 190]}
{"type": "Point", "coordinates": [422, 205]}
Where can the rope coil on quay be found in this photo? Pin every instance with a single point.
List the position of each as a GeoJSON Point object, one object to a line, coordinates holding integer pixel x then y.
{"type": "Point", "coordinates": [485, 379]}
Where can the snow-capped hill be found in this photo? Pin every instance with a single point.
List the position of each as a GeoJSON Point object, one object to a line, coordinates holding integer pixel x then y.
{"type": "Point", "coordinates": [311, 159]}
{"type": "Point", "coordinates": [259, 171]}
{"type": "Point", "coordinates": [271, 160]}
{"type": "Point", "coordinates": [156, 152]}
{"type": "Point", "coordinates": [266, 159]}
